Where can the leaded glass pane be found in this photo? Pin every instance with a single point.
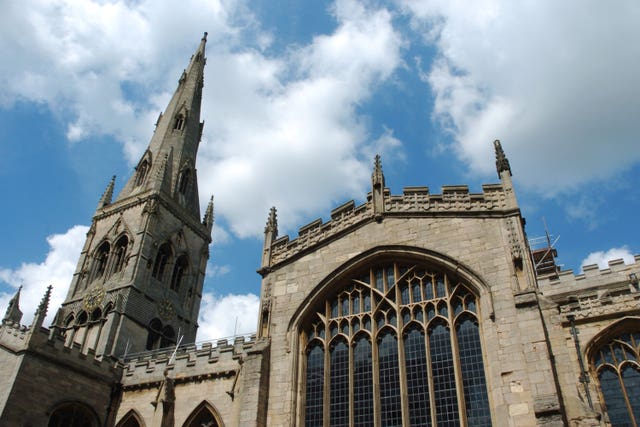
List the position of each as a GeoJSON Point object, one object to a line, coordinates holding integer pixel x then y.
{"type": "Point", "coordinates": [339, 385]}
{"type": "Point", "coordinates": [362, 383]}
{"type": "Point", "coordinates": [390, 278]}
{"type": "Point", "coordinates": [444, 381]}
{"type": "Point", "coordinates": [417, 297]}
{"type": "Point", "coordinates": [356, 303]}
{"type": "Point", "coordinates": [417, 379]}
{"type": "Point", "coordinates": [614, 398]}
{"type": "Point", "coordinates": [428, 288]}
{"type": "Point", "coordinates": [440, 287]}
{"type": "Point", "coordinates": [315, 385]}
{"type": "Point", "coordinates": [379, 282]}
{"type": "Point", "coordinates": [472, 369]}
{"type": "Point", "coordinates": [389, 379]}
{"type": "Point", "coordinates": [631, 380]}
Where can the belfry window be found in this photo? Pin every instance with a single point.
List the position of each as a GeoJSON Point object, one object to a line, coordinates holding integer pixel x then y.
{"type": "Point", "coordinates": [101, 258]}
{"type": "Point", "coordinates": [141, 172]}
{"type": "Point", "coordinates": [183, 183]}
{"type": "Point", "coordinates": [162, 259]}
{"type": "Point", "coordinates": [179, 271]}
{"type": "Point", "coordinates": [397, 344]}
{"type": "Point", "coordinates": [617, 365]}
{"type": "Point", "coordinates": [119, 254]}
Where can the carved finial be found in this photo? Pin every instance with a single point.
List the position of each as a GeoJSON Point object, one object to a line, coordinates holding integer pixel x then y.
{"type": "Point", "coordinates": [41, 312]}
{"type": "Point", "coordinates": [272, 222]}
{"type": "Point", "coordinates": [205, 36]}
{"type": "Point", "coordinates": [13, 314]}
{"type": "Point", "coordinates": [502, 163]}
{"type": "Point", "coordinates": [108, 194]}
{"type": "Point", "coordinates": [377, 177]}
{"type": "Point", "coordinates": [208, 215]}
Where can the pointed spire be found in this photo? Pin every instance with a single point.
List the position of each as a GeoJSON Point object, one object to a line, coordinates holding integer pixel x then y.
{"type": "Point", "coordinates": [377, 182]}
{"type": "Point", "coordinates": [208, 216]}
{"type": "Point", "coordinates": [108, 194]}
{"type": "Point", "coordinates": [41, 312]}
{"type": "Point", "coordinates": [13, 314]}
{"type": "Point", "coordinates": [272, 222]}
{"type": "Point", "coordinates": [502, 163]}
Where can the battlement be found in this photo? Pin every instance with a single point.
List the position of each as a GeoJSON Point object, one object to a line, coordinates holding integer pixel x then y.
{"type": "Point", "coordinates": [13, 336]}
{"type": "Point", "coordinates": [221, 358]}
{"type": "Point", "coordinates": [416, 201]}
{"type": "Point", "coordinates": [595, 293]}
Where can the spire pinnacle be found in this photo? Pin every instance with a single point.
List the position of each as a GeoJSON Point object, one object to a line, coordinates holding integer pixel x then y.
{"type": "Point", "coordinates": [41, 312]}
{"type": "Point", "coordinates": [377, 192]}
{"type": "Point", "coordinates": [108, 194]}
{"type": "Point", "coordinates": [13, 314]}
{"type": "Point", "coordinates": [208, 215]}
{"type": "Point", "coordinates": [272, 222]}
{"type": "Point", "coordinates": [502, 163]}
{"type": "Point", "coordinates": [377, 177]}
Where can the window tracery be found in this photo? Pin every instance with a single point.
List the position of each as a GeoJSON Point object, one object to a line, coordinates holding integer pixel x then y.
{"type": "Point", "coordinates": [179, 271]}
{"type": "Point", "coordinates": [119, 254]}
{"type": "Point", "coordinates": [101, 259]}
{"type": "Point", "coordinates": [397, 343]}
{"type": "Point", "coordinates": [617, 366]}
{"type": "Point", "coordinates": [203, 416]}
{"type": "Point", "coordinates": [162, 259]}
{"type": "Point", "coordinates": [141, 172]}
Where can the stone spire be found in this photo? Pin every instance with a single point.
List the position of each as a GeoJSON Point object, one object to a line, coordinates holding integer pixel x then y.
{"type": "Point", "coordinates": [377, 184]}
{"type": "Point", "coordinates": [41, 312]}
{"type": "Point", "coordinates": [502, 163]}
{"type": "Point", "coordinates": [208, 216]}
{"type": "Point", "coordinates": [108, 194]}
{"type": "Point", "coordinates": [13, 314]}
{"type": "Point", "coordinates": [168, 164]}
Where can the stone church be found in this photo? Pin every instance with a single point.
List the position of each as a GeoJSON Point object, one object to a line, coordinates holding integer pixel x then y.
{"type": "Point", "coordinates": [420, 308]}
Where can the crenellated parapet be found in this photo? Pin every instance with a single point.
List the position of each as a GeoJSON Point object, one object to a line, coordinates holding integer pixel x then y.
{"type": "Point", "coordinates": [595, 293]}
{"type": "Point", "coordinates": [208, 360]}
{"type": "Point", "coordinates": [13, 336]}
{"type": "Point", "coordinates": [455, 200]}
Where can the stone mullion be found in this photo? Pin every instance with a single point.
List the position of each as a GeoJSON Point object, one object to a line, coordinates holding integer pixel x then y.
{"type": "Point", "coordinates": [375, 371]}
{"type": "Point", "coordinates": [432, 399]}
{"type": "Point", "coordinates": [632, 416]}
{"type": "Point", "coordinates": [326, 373]}
{"type": "Point", "coordinates": [404, 395]}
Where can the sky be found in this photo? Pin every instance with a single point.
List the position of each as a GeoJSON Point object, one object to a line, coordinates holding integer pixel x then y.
{"type": "Point", "coordinates": [299, 96]}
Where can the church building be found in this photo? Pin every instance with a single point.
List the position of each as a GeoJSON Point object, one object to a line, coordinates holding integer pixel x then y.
{"type": "Point", "coordinates": [415, 309]}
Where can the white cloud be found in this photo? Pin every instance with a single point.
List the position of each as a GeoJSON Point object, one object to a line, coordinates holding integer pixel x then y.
{"type": "Point", "coordinates": [57, 270]}
{"type": "Point", "coordinates": [225, 316]}
{"type": "Point", "coordinates": [215, 270]}
{"type": "Point", "coordinates": [555, 81]}
{"type": "Point", "coordinates": [602, 258]}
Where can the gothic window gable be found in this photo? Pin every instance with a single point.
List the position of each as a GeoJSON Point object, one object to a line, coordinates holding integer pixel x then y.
{"type": "Point", "coordinates": [100, 260]}
{"type": "Point", "coordinates": [131, 419]}
{"type": "Point", "coordinates": [397, 342]}
{"type": "Point", "coordinates": [204, 415]}
{"type": "Point", "coordinates": [142, 170]}
{"type": "Point", "coordinates": [614, 357]}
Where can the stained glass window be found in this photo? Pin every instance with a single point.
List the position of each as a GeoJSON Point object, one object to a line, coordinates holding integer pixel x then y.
{"type": "Point", "coordinates": [404, 348]}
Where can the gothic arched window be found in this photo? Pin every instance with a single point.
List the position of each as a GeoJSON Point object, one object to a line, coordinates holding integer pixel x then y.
{"type": "Point", "coordinates": [179, 271]}
{"type": "Point", "coordinates": [179, 122]}
{"type": "Point", "coordinates": [617, 365]}
{"type": "Point", "coordinates": [203, 416]}
{"type": "Point", "coordinates": [397, 344]}
{"type": "Point", "coordinates": [119, 254]}
{"type": "Point", "coordinates": [100, 260]}
{"type": "Point", "coordinates": [72, 415]}
{"type": "Point", "coordinates": [141, 172]}
{"type": "Point", "coordinates": [184, 181]}
{"type": "Point", "coordinates": [159, 336]}
{"type": "Point", "coordinates": [162, 259]}
{"type": "Point", "coordinates": [131, 419]}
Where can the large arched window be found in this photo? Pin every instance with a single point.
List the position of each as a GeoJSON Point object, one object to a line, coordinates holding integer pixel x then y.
{"type": "Point", "coordinates": [617, 365]}
{"type": "Point", "coordinates": [397, 344]}
{"type": "Point", "coordinates": [141, 172]}
{"type": "Point", "coordinates": [101, 258]}
{"type": "Point", "coordinates": [72, 414]}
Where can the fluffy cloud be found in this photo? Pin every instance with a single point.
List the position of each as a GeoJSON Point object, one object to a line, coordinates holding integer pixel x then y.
{"type": "Point", "coordinates": [57, 270]}
{"type": "Point", "coordinates": [555, 81]}
{"type": "Point", "coordinates": [602, 258]}
{"type": "Point", "coordinates": [228, 315]}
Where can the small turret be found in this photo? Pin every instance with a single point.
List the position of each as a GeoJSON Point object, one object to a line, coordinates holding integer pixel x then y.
{"type": "Point", "coordinates": [377, 183]}
{"type": "Point", "coordinates": [108, 194]}
{"type": "Point", "coordinates": [13, 314]}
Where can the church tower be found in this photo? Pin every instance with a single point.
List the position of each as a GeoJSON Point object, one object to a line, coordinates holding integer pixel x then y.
{"type": "Point", "coordinates": [138, 282]}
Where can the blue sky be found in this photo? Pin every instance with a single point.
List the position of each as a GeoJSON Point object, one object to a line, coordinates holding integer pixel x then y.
{"type": "Point", "coordinates": [299, 96]}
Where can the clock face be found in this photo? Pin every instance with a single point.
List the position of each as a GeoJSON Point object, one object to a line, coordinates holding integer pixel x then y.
{"type": "Point", "coordinates": [166, 310]}
{"type": "Point", "coordinates": [93, 299]}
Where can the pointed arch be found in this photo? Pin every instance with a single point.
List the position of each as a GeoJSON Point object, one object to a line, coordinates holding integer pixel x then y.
{"type": "Point", "coordinates": [163, 258]}
{"type": "Point", "coordinates": [142, 170]}
{"type": "Point", "coordinates": [100, 259]}
{"type": "Point", "coordinates": [119, 253]}
{"type": "Point", "coordinates": [73, 414]}
{"type": "Point", "coordinates": [131, 419]}
{"type": "Point", "coordinates": [205, 414]}
{"type": "Point", "coordinates": [180, 270]}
